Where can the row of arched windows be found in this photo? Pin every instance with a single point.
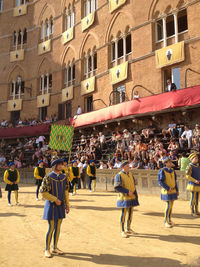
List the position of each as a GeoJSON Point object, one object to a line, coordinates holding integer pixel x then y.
{"type": "Point", "coordinates": [19, 37]}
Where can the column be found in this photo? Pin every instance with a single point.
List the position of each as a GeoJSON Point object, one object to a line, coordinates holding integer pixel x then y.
{"type": "Point", "coordinates": [49, 28]}
{"type": "Point", "coordinates": [88, 7]}
{"type": "Point", "coordinates": [22, 39]}
{"type": "Point", "coordinates": [20, 86]}
{"type": "Point", "coordinates": [124, 48]}
{"type": "Point", "coordinates": [47, 83]}
{"type": "Point", "coordinates": [16, 40]}
{"type": "Point", "coordinates": [176, 26]}
{"type": "Point", "coordinates": [164, 32]}
{"type": "Point", "coordinates": [14, 90]}
{"type": "Point", "coordinates": [116, 52]}
{"type": "Point", "coordinates": [86, 66]}
{"type": "Point", "coordinates": [67, 82]}
{"type": "Point", "coordinates": [44, 31]}
{"type": "Point", "coordinates": [42, 84]}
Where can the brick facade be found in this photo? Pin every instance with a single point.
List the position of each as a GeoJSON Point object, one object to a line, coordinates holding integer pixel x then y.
{"type": "Point", "coordinates": [136, 17]}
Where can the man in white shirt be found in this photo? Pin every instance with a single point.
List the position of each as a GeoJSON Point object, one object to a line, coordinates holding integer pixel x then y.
{"type": "Point", "coordinates": [79, 111]}
{"type": "Point", "coordinates": [186, 136]}
{"type": "Point", "coordinates": [117, 164]}
{"type": "Point", "coordinates": [41, 140]}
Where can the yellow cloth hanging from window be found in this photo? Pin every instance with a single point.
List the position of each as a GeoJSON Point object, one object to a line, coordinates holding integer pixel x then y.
{"type": "Point", "coordinates": [17, 55]}
{"type": "Point", "coordinates": [170, 55]}
{"type": "Point", "coordinates": [44, 47]}
{"type": "Point", "coordinates": [114, 4]}
{"type": "Point", "coordinates": [14, 105]}
{"type": "Point", "coordinates": [68, 35]}
{"type": "Point", "coordinates": [119, 73]}
{"type": "Point", "coordinates": [87, 21]}
{"type": "Point", "coordinates": [20, 10]}
{"type": "Point", "coordinates": [88, 86]}
{"type": "Point", "coordinates": [43, 100]}
{"type": "Point", "coordinates": [67, 94]}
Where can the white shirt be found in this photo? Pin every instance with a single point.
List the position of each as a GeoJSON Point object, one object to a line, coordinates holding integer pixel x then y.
{"type": "Point", "coordinates": [79, 111]}
{"type": "Point", "coordinates": [187, 134]}
{"type": "Point", "coordinates": [117, 165]}
{"type": "Point", "coordinates": [41, 138]}
{"type": "Point", "coordinates": [80, 165]}
{"type": "Point", "coordinates": [101, 138]}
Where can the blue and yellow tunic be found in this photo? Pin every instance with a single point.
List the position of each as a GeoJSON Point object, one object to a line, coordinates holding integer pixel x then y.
{"type": "Point", "coordinates": [11, 176]}
{"type": "Point", "coordinates": [125, 182]}
{"type": "Point", "coordinates": [74, 173]}
{"type": "Point", "coordinates": [39, 174]}
{"type": "Point", "coordinates": [167, 180]}
{"type": "Point", "coordinates": [91, 171]}
{"type": "Point", "coordinates": [193, 175]}
{"type": "Point", "coordinates": [55, 186]}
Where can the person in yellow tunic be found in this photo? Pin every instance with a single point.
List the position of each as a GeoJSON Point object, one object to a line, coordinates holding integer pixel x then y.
{"type": "Point", "coordinates": [128, 198]}
{"type": "Point", "coordinates": [193, 177]}
{"type": "Point", "coordinates": [11, 178]}
{"type": "Point", "coordinates": [39, 173]}
{"type": "Point", "coordinates": [91, 172]}
{"type": "Point", "coordinates": [74, 176]}
{"type": "Point", "coordinates": [55, 189]}
{"type": "Point", "coordinates": [169, 192]}
{"type": "Point", "coordinates": [65, 167]}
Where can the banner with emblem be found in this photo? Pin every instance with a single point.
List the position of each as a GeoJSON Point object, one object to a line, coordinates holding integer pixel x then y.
{"type": "Point", "coordinates": [88, 86]}
{"type": "Point", "coordinates": [61, 137]}
{"type": "Point", "coordinates": [119, 73]}
{"type": "Point", "coordinates": [43, 100]}
{"type": "Point", "coordinates": [44, 47]}
{"type": "Point", "coordinates": [68, 35]}
{"type": "Point", "coordinates": [114, 4]}
{"type": "Point", "coordinates": [17, 55]}
{"type": "Point", "coordinates": [67, 94]}
{"type": "Point", "coordinates": [87, 21]}
{"type": "Point", "coordinates": [14, 105]}
{"type": "Point", "coordinates": [170, 55]}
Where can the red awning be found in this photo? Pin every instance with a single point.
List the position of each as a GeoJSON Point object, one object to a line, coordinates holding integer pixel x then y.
{"type": "Point", "coordinates": [180, 98]}
{"type": "Point", "coordinates": [41, 129]}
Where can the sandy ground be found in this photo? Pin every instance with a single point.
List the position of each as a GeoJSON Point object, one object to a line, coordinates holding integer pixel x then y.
{"type": "Point", "coordinates": [90, 234]}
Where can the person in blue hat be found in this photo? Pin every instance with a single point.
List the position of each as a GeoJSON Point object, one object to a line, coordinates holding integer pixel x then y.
{"type": "Point", "coordinates": [169, 192]}
{"type": "Point", "coordinates": [55, 189]}
{"type": "Point", "coordinates": [124, 184]}
{"type": "Point", "coordinates": [91, 172]}
{"type": "Point", "coordinates": [74, 176]}
{"type": "Point", "coordinates": [39, 173]}
{"type": "Point", "coordinates": [11, 178]}
{"type": "Point", "coordinates": [65, 167]}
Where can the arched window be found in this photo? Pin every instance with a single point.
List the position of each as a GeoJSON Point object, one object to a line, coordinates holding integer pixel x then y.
{"type": "Point", "coordinates": [17, 87]}
{"type": "Point", "coordinates": [42, 30]}
{"type": "Point", "coordinates": [47, 28]}
{"type": "Point", "coordinates": [25, 36]}
{"type": "Point", "coordinates": [89, 6]}
{"type": "Point", "coordinates": [14, 38]}
{"type": "Point", "coordinates": [51, 26]}
{"type": "Point", "coordinates": [19, 37]}
{"type": "Point", "coordinates": [69, 74]}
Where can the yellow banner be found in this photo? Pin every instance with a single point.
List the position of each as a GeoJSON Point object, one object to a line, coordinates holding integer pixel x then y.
{"type": "Point", "coordinates": [20, 10]}
{"type": "Point", "coordinates": [14, 105]}
{"type": "Point", "coordinates": [88, 86]}
{"type": "Point", "coordinates": [43, 100]}
{"type": "Point", "coordinates": [17, 55]}
{"type": "Point", "coordinates": [67, 94]}
{"type": "Point", "coordinates": [119, 73]}
{"type": "Point", "coordinates": [44, 47]}
{"type": "Point", "coordinates": [170, 55]}
{"type": "Point", "coordinates": [87, 21]}
{"type": "Point", "coordinates": [68, 35]}
{"type": "Point", "coordinates": [114, 4]}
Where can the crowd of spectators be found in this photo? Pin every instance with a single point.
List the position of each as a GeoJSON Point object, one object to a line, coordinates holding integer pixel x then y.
{"type": "Point", "coordinates": [27, 122]}
{"type": "Point", "coordinates": [144, 149]}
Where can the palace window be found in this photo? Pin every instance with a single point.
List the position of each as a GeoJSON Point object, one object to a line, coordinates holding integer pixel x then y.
{"type": "Point", "coordinates": [89, 103]}
{"type": "Point", "coordinates": [171, 25]}
{"type": "Point", "coordinates": [19, 38]}
{"type": "Point", "coordinates": [69, 74]}
{"type": "Point", "coordinates": [1, 5]}
{"type": "Point", "coordinates": [121, 48]}
{"type": "Point", "coordinates": [89, 7]}
{"type": "Point", "coordinates": [119, 94]}
{"type": "Point", "coordinates": [47, 29]}
{"type": "Point", "coordinates": [21, 2]}
{"type": "Point", "coordinates": [17, 88]}
{"type": "Point", "coordinates": [90, 64]}
{"type": "Point", "coordinates": [45, 83]}
{"type": "Point", "coordinates": [69, 17]}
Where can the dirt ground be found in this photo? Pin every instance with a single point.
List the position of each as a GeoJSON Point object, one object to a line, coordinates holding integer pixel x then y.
{"type": "Point", "coordinates": [90, 234]}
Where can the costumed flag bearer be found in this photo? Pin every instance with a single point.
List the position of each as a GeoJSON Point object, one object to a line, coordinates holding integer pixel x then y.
{"type": "Point", "coordinates": [169, 192]}
{"type": "Point", "coordinates": [11, 178]}
{"type": "Point", "coordinates": [128, 197]}
{"type": "Point", "coordinates": [55, 189]}
{"type": "Point", "coordinates": [39, 173]}
{"type": "Point", "coordinates": [91, 172]}
{"type": "Point", "coordinates": [193, 176]}
{"type": "Point", "coordinates": [74, 176]}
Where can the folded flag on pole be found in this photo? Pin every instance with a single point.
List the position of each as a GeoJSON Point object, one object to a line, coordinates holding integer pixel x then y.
{"type": "Point", "coordinates": [61, 137]}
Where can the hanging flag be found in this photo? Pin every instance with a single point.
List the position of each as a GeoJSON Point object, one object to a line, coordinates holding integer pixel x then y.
{"type": "Point", "coordinates": [67, 94]}
{"type": "Point", "coordinates": [170, 55]}
{"type": "Point", "coordinates": [61, 137]}
{"type": "Point", "coordinates": [14, 105]}
{"type": "Point", "coordinates": [44, 47]}
{"type": "Point", "coordinates": [114, 4]}
{"type": "Point", "coordinates": [20, 10]}
{"type": "Point", "coordinates": [88, 86]}
{"type": "Point", "coordinates": [119, 73]}
{"type": "Point", "coordinates": [87, 21]}
{"type": "Point", "coordinates": [68, 35]}
{"type": "Point", "coordinates": [17, 55]}
{"type": "Point", "coordinates": [43, 100]}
